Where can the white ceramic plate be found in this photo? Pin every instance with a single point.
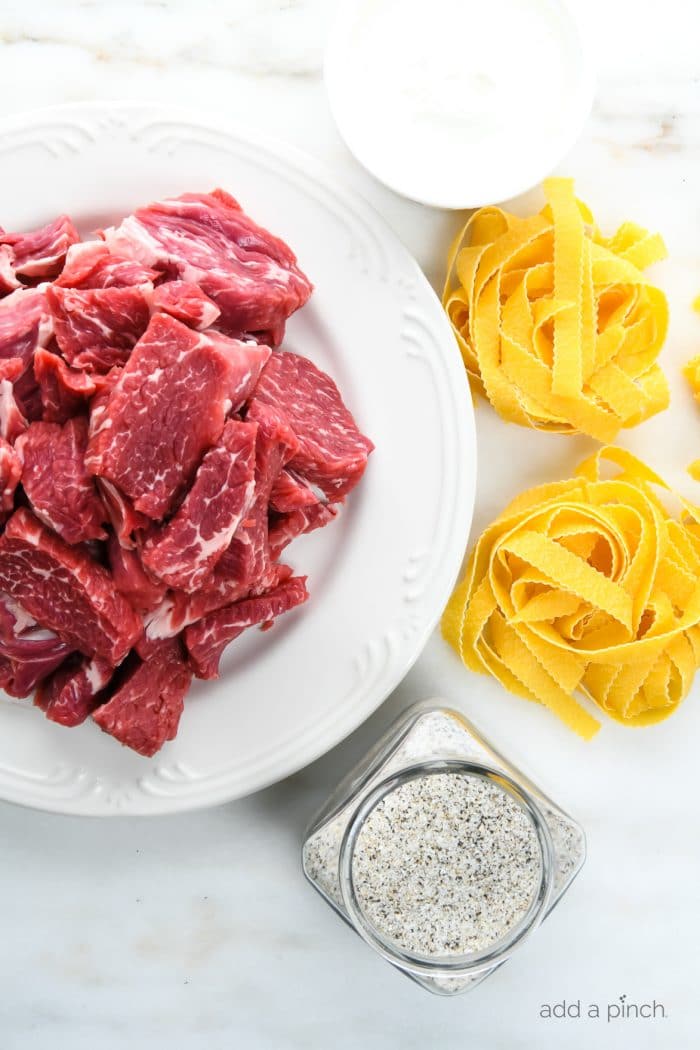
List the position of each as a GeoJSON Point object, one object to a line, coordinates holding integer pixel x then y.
{"type": "Point", "coordinates": [380, 575]}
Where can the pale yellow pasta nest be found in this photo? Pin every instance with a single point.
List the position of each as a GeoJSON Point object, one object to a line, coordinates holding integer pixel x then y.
{"type": "Point", "coordinates": [557, 325]}
{"type": "Point", "coordinates": [586, 586]}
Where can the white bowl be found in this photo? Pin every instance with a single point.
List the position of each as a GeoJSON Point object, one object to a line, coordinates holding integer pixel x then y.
{"type": "Point", "coordinates": [462, 114]}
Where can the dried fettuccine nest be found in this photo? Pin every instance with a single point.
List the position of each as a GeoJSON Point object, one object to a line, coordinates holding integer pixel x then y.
{"type": "Point", "coordinates": [557, 325]}
{"type": "Point", "coordinates": [587, 586]}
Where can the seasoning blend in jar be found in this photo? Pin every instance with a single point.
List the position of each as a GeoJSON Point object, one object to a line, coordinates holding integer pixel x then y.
{"type": "Point", "coordinates": [439, 853]}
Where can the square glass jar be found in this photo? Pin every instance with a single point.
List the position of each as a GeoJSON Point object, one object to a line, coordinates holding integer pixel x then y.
{"type": "Point", "coordinates": [431, 738]}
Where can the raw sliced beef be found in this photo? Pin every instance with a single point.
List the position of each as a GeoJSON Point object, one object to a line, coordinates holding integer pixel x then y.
{"type": "Point", "coordinates": [130, 578]}
{"type": "Point", "coordinates": [98, 327]}
{"type": "Point", "coordinates": [90, 264]}
{"type": "Point", "coordinates": [13, 618]}
{"type": "Point", "coordinates": [167, 407]}
{"type": "Point", "coordinates": [286, 527]}
{"type": "Point", "coordinates": [104, 385]}
{"type": "Point", "coordinates": [248, 555]}
{"type": "Point", "coordinates": [12, 421]}
{"type": "Point", "coordinates": [184, 552]}
{"type": "Point", "coordinates": [290, 492]}
{"type": "Point", "coordinates": [207, 639]}
{"type": "Point", "coordinates": [41, 253]}
{"type": "Point", "coordinates": [28, 658]}
{"type": "Point", "coordinates": [11, 368]}
{"type": "Point", "coordinates": [145, 647]}
{"type": "Point", "coordinates": [8, 280]}
{"type": "Point", "coordinates": [332, 452]}
{"type": "Point", "coordinates": [145, 710]}
{"type": "Point", "coordinates": [72, 692]}
{"type": "Point", "coordinates": [207, 239]}
{"type": "Point", "coordinates": [99, 360]}
{"type": "Point", "coordinates": [25, 324]}
{"type": "Point", "coordinates": [60, 490]}
{"type": "Point", "coordinates": [28, 394]}
{"type": "Point", "coordinates": [65, 590]}
{"type": "Point", "coordinates": [179, 609]}
{"type": "Point", "coordinates": [120, 510]}
{"type": "Point", "coordinates": [64, 391]}
{"type": "Point", "coordinates": [10, 475]}
{"type": "Point", "coordinates": [187, 302]}
{"type": "Point", "coordinates": [27, 652]}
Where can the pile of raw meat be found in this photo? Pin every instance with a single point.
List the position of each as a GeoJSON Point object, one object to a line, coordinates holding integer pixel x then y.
{"type": "Point", "coordinates": [158, 453]}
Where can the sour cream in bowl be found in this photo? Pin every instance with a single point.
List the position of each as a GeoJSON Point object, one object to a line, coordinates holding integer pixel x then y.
{"type": "Point", "coordinates": [458, 103]}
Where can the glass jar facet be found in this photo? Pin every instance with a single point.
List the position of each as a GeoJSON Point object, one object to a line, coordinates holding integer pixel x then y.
{"type": "Point", "coordinates": [426, 740]}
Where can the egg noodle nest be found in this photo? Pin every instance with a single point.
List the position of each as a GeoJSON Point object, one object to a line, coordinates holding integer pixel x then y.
{"type": "Point", "coordinates": [587, 586]}
{"type": "Point", "coordinates": [558, 326]}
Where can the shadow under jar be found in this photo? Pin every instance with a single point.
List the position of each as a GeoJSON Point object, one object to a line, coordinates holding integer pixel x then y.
{"type": "Point", "coordinates": [439, 853]}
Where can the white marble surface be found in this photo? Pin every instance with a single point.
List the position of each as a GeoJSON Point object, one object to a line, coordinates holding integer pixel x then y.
{"type": "Point", "coordinates": [198, 931]}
